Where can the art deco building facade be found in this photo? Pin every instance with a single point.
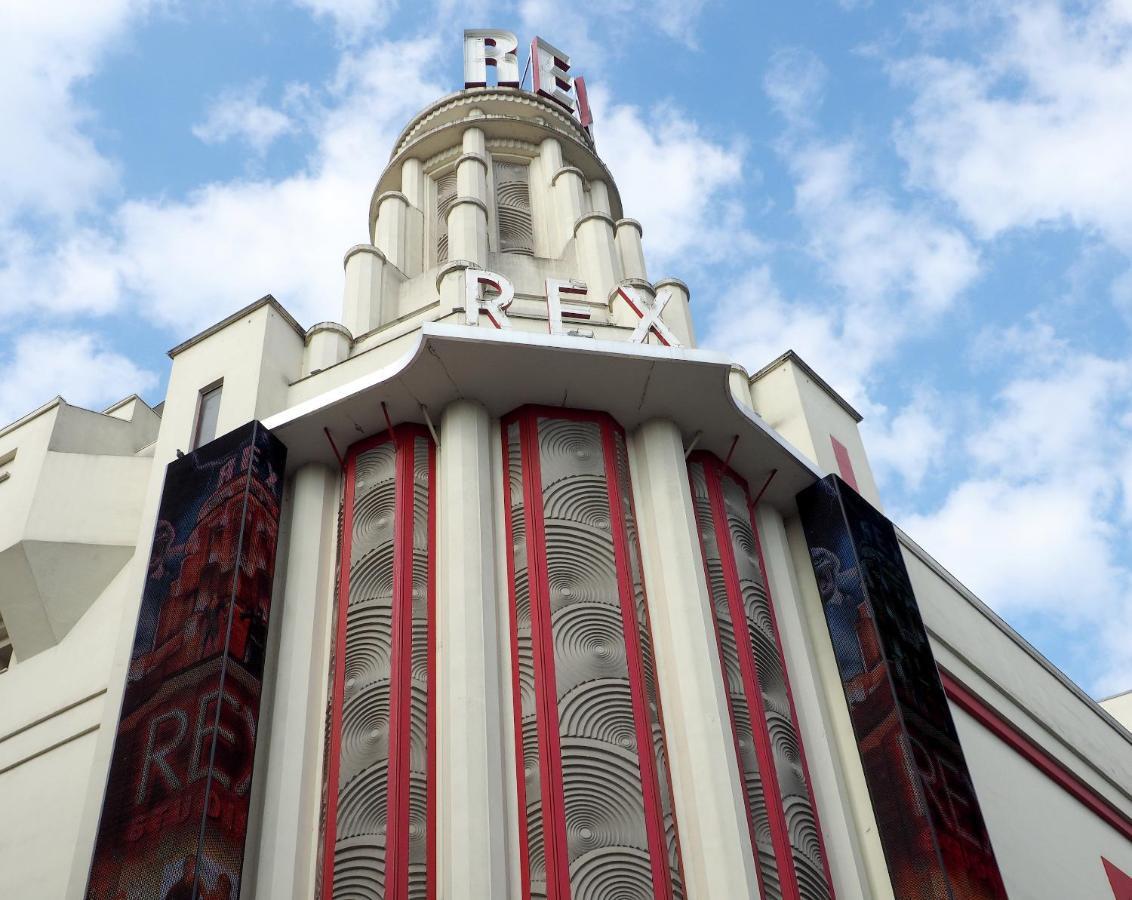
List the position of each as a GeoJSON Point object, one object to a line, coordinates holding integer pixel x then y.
{"type": "Point", "coordinates": [501, 587]}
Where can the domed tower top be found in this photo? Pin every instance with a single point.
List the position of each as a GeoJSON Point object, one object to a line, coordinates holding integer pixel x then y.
{"type": "Point", "coordinates": [496, 210]}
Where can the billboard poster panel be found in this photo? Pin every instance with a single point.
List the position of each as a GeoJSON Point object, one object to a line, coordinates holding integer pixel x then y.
{"type": "Point", "coordinates": [934, 837]}
{"type": "Point", "coordinates": [174, 815]}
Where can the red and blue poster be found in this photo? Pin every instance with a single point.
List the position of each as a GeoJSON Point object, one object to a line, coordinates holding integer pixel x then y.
{"type": "Point", "coordinates": [175, 813]}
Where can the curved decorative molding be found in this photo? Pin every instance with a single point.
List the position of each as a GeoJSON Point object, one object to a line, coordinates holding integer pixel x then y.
{"type": "Point", "coordinates": [525, 149]}
{"type": "Point", "coordinates": [508, 114]}
{"type": "Point", "coordinates": [454, 265]}
{"type": "Point", "coordinates": [591, 217]}
{"type": "Point", "coordinates": [363, 248]}
{"type": "Point", "coordinates": [416, 126]}
{"type": "Point", "coordinates": [392, 195]}
{"type": "Point", "coordinates": [437, 160]}
{"type": "Point", "coordinates": [474, 157]}
{"type": "Point", "coordinates": [673, 282]}
{"type": "Point", "coordinates": [640, 284]}
{"type": "Point", "coordinates": [564, 170]}
{"type": "Point", "coordinates": [467, 201]}
{"type": "Point", "coordinates": [630, 223]}
{"type": "Point", "coordinates": [337, 327]}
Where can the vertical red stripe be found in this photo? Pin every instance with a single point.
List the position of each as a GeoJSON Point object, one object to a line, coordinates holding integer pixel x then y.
{"type": "Point", "coordinates": [516, 688]}
{"type": "Point", "coordinates": [702, 462]}
{"type": "Point", "coordinates": [844, 463]}
{"type": "Point", "coordinates": [397, 810]}
{"type": "Point", "coordinates": [546, 685]}
{"type": "Point", "coordinates": [790, 697]}
{"type": "Point", "coordinates": [400, 693]}
{"type": "Point", "coordinates": [431, 745]}
{"type": "Point", "coordinates": [334, 746]}
{"type": "Point", "coordinates": [749, 670]}
{"type": "Point", "coordinates": [662, 887]}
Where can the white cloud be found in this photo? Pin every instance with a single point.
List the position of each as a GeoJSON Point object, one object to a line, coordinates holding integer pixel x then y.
{"type": "Point", "coordinates": [352, 19]}
{"type": "Point", "coordinates": [78, 366]}
{"type": "Point", "coordinates": [50, 165]}
{"type": "Point", "coordinates": [896, 271]}
{"type": "Point", "coordinates": [1038, 527]}
{"type": "Point", "coordinates": [1034, 131]}
{"type": "Point", "coordinates": [754, 323]}
{"type": "Point", "coordinates": [238, 114]}
{"type": "Point", "coordinates": [1024, 548]}
{"type": "Point", "coordinates": [591, 34]}
{"type": "Point", "coordinates": [678, 182]}
{"type": "Point", "coordinates": [795, 82]}
{"type": "Point", "coordinates": [875, 250]}
{"type": "Point", "coordinates": [910, 442]}
{"type": "Point", "coordinates": [187, 263]}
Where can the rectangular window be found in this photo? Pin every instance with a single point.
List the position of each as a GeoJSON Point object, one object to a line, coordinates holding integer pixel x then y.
{"type": "Point", "coordinates": [208, 413]}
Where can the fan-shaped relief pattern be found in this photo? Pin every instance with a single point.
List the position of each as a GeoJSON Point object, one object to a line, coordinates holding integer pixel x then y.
{"type": "Point", "coordinates": [602, 795]}
{"type": "Point", "coordinates": [445, 196]}
{"type": "Point", "coordinates": [523, 662]}
{"type": "Point", "coordinates": [359, 869]}
{"type": "Point", "coordinates": [363, 789]}
{"type": "Point", "coordinates": [379, 759]}
{"type": "Point", "coordinates": [766, 731]}
{"type": "Point", "coordinates": [572, 610]}
{"type": "Point", "coordinates": [729, 654]}
{"type": "Point", "coordinates": [513, 208]}
{"type": "Point", "coordinates": [785, 741]}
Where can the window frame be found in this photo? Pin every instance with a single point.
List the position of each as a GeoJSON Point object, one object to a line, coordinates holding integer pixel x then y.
{"type": "Point", "coordinates": [216, 387]}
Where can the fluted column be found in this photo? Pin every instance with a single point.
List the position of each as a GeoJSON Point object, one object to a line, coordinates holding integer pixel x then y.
{"type": "Point", "coordinates": [740, 384]}
{"type": "Point", "coordinates": [328, 343]}
{"type": "Point", "coordinates": [467, 216]}
{"type": "Point", "coordinates": [363, 296]}
{"type": "Point", "coordinates": [413, 187]}
{"type": "Point", "coordinates": [714, 836]}
{"type": "Point", "coordinates": [628, 233]}
{"type": "Point", "coordinates": [391, 232]}
{"type": "Point", "coordinates": [293, 735]}
{"type": "Point", "coordinates": [852, 842]}
{"type": "Point", "coordinates": [598, 260]}
{"type": "Point", "coordinates": [467, 220]}
{"type": "Point", "coordinates": [471, 799]}
{"type": "Point", "coordinates": [677, 314]}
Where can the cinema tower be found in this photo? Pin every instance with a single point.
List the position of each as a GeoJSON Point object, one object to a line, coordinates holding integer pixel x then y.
{"type": "Point", "coordinates": [502, 587]}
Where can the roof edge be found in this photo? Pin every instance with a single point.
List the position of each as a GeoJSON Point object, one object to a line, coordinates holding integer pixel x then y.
{"type": "Point", "coordinates": [265, 300]}
{"type": "Point", "coordinates": [792, 356]}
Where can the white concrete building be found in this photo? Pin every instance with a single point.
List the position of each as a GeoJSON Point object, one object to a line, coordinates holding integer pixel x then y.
{"type": "Point", "coordinates": [551, 614]}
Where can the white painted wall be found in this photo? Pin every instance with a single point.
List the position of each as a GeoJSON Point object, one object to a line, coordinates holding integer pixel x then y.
{"type": "Point", "coordinates": [1048, 846]}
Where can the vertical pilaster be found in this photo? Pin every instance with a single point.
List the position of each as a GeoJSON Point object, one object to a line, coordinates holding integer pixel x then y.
{"type": "Point", "coordinates": [471, 800]}
{"type": "Point", "coordinates": [362, 296]}
{"type": "Point", "coordinates": [413, 187]}
{"type": "Point", "coordinates": [677, 314]}
{"type": "Point", "coordinates": [628, 233]}
{"type": "Point", "coordinates": [391, 232]}
{"type": "Point", "coordinates": [467, 216]}
{"type": "Point", "coordinates": [714, 836]}
{"type": "Point", "coordinates": [854, 854]}
{"type": "Point", "coordinates": [328, 343]}
{"type": "Point", "coordinates": [292, 783]}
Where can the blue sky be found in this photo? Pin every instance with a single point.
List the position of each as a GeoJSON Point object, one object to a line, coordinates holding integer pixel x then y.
{"type": "Point", "coordinates": [931, 202]}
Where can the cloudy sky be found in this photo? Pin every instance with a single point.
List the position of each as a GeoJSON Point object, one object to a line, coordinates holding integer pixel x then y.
{"type": "Point", "coordinates": [931, 202]}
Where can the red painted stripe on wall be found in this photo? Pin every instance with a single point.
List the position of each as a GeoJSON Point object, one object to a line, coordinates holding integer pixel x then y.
{"type": "Point", "coordinates": [844, 463]}
{"type": "Point", "coordinates": [1025, 746]}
